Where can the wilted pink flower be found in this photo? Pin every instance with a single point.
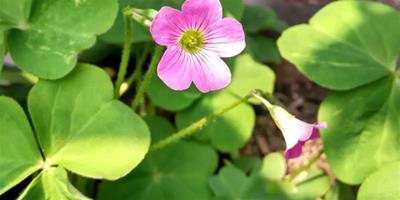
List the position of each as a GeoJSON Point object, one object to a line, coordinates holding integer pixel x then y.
{"type": "Point", "coordinates": [295, 131]}
{"type": "Point", "coordinates": [196, 38]}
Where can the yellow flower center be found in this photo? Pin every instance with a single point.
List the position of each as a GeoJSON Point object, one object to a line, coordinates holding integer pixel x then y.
{"type": "Point", "coordinates": [192, 41]}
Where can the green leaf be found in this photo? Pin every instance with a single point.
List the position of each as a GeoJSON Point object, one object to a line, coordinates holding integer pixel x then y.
{"type": "Point", "coordinates": [78, 112]}
{"type": "Point", "coordinates": [179, 172]}
{"type": "Point", "coordinates": [48, 44]}
{"type": "Point", "coordinates": [260, 18]}
{"type": "Point", "coordinates": [248, 164]}
{"type": "Point", "coordinates": [143, 16]}
{"type": "Point", "coordinates": [115, 35]}
{"type": "Point", "coordinates": [263, 49]}
{"type": "Point", "coordinates": [233, 8]}
{"type": "Point", "coordinates": [2, 49]}
{"type": "Point", "coordinates": [228, 132]}
{"type": "Point", "coordinates": [315, 185]}
{"type": "Point", "coordinates": [273, 167]}
{"type": "Point", "coordinates": [14, 13]}
{"type": "Point", "coordinates": [340, 191]}
{"type": "Point", "coordinates": [231, 183]}
{"type": "Point", "coordinates": [248, 74]}
{"type": "Point", "coordinates": [169, 99]}
{"type": "Point", "coordinates": [160, 128]}
{"type": "Point", "coordinates": [20, 155]}
{"type": "Point", "coordinates": [345, 52]}
{"type": "Point", "coordinates": [382, 185]}
{"type": "Point", "coordinates": [363, 133]}
{"type": "Point", "coordinates": [51, 183]}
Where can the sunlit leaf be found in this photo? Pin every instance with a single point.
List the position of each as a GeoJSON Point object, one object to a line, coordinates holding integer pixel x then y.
{"type": "Point", "coordinates": [48, 42]}
{"type": "Point", "coordinates": [227, 133]}
{"type": "Point", "coordinates": [20, 155]}
{"type": "Point", "coordinates": [51, 183]}
{"type": "Point", "coordinates": [83, 129]}
{"type": "Point", "coordinates": [179, 171]}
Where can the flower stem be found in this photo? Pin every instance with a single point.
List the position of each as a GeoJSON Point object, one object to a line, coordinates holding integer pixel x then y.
{"type": "Point", "coordinates": [197, 125]}
{"type": "Point", "coordinates": [125, 55]}
{"type": "Point", "coordinates": [296, 173]}
{"type": "Point", "coordinates": [147, 77]}
{"type": "Point", "coordinates": [139, 65]}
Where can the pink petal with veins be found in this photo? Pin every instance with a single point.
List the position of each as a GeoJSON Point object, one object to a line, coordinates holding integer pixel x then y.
{"type": "Point", "coordinates": [164, 30]}
{"type": "Point", "coordinates": [225, 37]}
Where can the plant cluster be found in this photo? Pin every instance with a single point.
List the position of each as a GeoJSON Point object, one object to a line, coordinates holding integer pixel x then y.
{"type": "Point", "coordinates": [170, 123]}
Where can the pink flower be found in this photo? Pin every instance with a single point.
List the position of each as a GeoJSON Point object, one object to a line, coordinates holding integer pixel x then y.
{"type": "Point", "coordinates": [295, 131]}
{"type": "Point", "coordinates": [196, 39]}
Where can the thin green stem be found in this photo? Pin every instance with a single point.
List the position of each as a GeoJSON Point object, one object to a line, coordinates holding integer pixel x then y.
{"type": "Point", "coordinates": [125, 55]}
{"type": "Point", "coordinates": [305, 167]}
{"type": "Point", "coordinates": [147, 77]}
{"type": "Point", "coordinates": [188, 131]}
{"type": "Point", "coordinates": [139, 66]}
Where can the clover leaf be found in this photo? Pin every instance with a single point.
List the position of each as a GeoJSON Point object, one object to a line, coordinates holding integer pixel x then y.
{"type": "Point", "coordinates": [267, 183]}
{"type": "Point", "coordinates": [383, 184]}
{"type": "Point", "coordinates": [360, 46]}
{"type": "Point", "coordinates": [227, 133]}
{"type": "Point", "coordinates": [45, 36]}
{"type": "Point", "coordinates": [168, 99]}
{"type": "Point", "coordinates": [357, 52]}
{"type": "Point", "coordinates": [248, 74]}
{"type": "Point", "coordinates": [363, 132]}
{"type": "Point", "coordinates": [260, 184]}
{"type": "Point", "coordinates": [79, 127]}
{"type": "Point", "coordinates": [17, 145]}
{"type": "Point", "coordinates": [52, 183]}
{"type": "Point", "coordinates": [184, 165]}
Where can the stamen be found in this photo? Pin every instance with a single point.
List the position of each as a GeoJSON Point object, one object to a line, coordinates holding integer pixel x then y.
{"type": "Point", "coordinates": [192, 41]}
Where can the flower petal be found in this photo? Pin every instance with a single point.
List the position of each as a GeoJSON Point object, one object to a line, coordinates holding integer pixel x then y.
{"type": "Point", "coordinates": [225, 37]}
{"type": "Point", "coordinates": [200, 14]}
{"type": "Point", "coordinates": [167, 26]}
{"type": "Point", "coordinates": [175, 69]}
{"type": "Point", "coordinates": [315, 134]}
{"type": "Point", "coordinates": [295, 151]}
{"type": "Point", "coordinates": [211, 72]}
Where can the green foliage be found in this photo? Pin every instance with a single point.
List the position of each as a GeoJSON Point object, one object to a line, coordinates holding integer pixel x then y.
{"type": "Point", "coordinates": [263, 49]}
{"type": "Point", "coordinates": [266, 182]}
{"type": "Point", "coordinates": [348, 51]}
{"type": "Point", "coordinates": [248, 74]}
{"type": "Point", "coordinates": [261, 18]}
{"type": "Point", "coordinates": [74, 121]}
{"type": "Point", "coordinates": [364, 129]}
{"type": "Point", "coordinates": [227, 133]}
{"type": "Point", "coordinates": [44, 37]}
{"type": "Point", "coordinates": [2, 49]}
{"type": "Point", "coordinates": [179, 171]}
{"type": "Point", "coordinates": [233, 8]}
{"type": "Point", "coordinates": [357, 52]}
{"type": "Point", "coordinates": [17, 145]}
{"type": "Point", "coordinates": [68, 119]}
{"type": "Point", "coordinates": [168, 99]}
{"type": "Point", "coordinates": [14, 12]}
{"type": "Point", "coordinates": [231, 183]}
{"type": "Point", "coordinates": [383, 184]}
{"type": "Point", "coordinates": [340, 191]}
{"type": "Point", "coordinates": [51, 183]}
